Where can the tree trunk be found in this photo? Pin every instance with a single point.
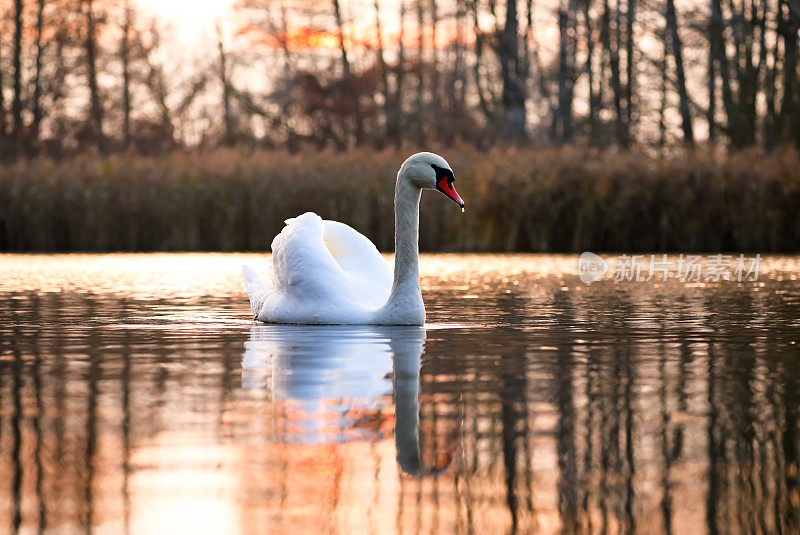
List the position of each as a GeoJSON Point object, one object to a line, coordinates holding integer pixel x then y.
{"type": "Point", "coordinates": [789, 27]}
{"type": "Point", "coordinates": [711, 84]}
{"type": "Point", "coordinates": [772, 122]}
{"type": "Point", "coordinates": [2, 103]}
{"type": "Point", "coordinates": [57, 86]}
{"type": "Point", "coordinates": [287, 56]}
{"type": "Point", "coordinates": [418, 112]}
{"type": "Point", "coordinates": [542, 83]}
{"type": "Point", "coordinates": [565, 68]}
{"type": "Point", "coordinates": [396, 111]}
{"type": "Point", "coordinates": [436, 88]}
{"type": "Point", "coordinates": [612, 53]}
{"type": "Point", "coordinates": [229, 136]}
{"type": "Point", "coordinates": [124, 52]}
{"type": "Point", "coordinates": [16, 104]}
{"type": "Point", "coordinates": [37, 77]}
{"type": "Point", "coordinates": [95, 106]}
{"type": "Point", "coordinates": [762, 66]}
{"type": "Point", "coordinates": [747, 76]}
{"type": "Point", "coordinates": [340, 32]}
{"type": "Point", "coordinates": [284, 118]}
{"type": "Point", "coordinates": [347, 74]}
{"type": "Point", "coordinates": [717, 41]}
{"type": "Point", "coordinates": [459, 85]}
{"type": "Point", "coordinates": [589, 67]}
{"type": "Point", "coordinates": [512, 72]}
{"type": "Point", "coordinates": [387, 104]}
{"type": "Point", "coordinates": [677, 54]}
{"type": "Point", "coordinates": [629, 67]}
{"type": "Point", "coordinates": [662, 123]}
{"type": "Point", "coordinates": [157, 85]}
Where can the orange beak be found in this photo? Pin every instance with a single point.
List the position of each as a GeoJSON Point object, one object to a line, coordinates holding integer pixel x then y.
{"type": "Point", "coordinates": [445, 185]}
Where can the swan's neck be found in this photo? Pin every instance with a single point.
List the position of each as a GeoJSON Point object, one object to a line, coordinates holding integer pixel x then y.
{"type": "Point", "coordinates": [406, 296]}
{"type": "Point", "coordinates": [406, 237]}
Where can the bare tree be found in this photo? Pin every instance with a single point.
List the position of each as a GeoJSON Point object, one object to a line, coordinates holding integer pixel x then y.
{"type": "Point", "coordinates": [789, 28]}
{"type": "Point", "coordinates": [676, 46]}
{"type": "Point", "coordinates": [90, 47]}
{"type": "Point", "coordinates": [394, 116]}
{"type": "Point", "coordinates": [630, 17]}
{"type": "Point", "coordinates": [16, 103]}
{"type": "Point", "coordinates": [384, 71]}
{"type": "Point", "coordinates": [485, 98]}
{"type": "Point", "coordinates": [711, 84]}
{"type": "Point", "coordinates": [434, 69]}
{"type": "Point", "coordinates": [124, 54]}
{"type": "Point", "coordinates": [420, 68]}
{"type": "Point", "coordinates": [458, 85]}
{"type": "Point", "coordinates": [567, 28]}
{"type": "Point", "coordinates": [482, 83]}
{"type": "Point", "coordinates": [2, 104]}
{"type": "Point", "coordinates": [514, 73]}
{"type": "Point", "coordinates": [284, 37]}
{"type": "Point", "coordinates": [662, 109]}
{"type": "Point", "coordinates": [719, 62]}
{"type": "Point", "coordinates": [594, 131]}
{"type": "Point", "coordinates": [611, 48]}
{"type": "Point", "coordinates": [337, 13]}
{"type": "Point", "coordinates": [229, 136]}
{"type": "Point", "coordinates": [37, 76]}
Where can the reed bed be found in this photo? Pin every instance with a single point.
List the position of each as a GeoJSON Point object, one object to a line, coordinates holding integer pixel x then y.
{"type": "Point", "coordinates": [518, 199]}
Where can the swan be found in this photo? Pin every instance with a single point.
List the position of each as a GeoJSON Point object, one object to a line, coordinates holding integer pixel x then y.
{"type": "Point", "coordinates": [325, 272]}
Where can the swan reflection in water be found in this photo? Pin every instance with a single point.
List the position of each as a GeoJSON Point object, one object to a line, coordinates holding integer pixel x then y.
{"type": "Point", "coordinates": [336, 383]}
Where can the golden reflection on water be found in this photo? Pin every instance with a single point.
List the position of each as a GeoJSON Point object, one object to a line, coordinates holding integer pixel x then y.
{"type": "Point", "coordinates": [136, 396]}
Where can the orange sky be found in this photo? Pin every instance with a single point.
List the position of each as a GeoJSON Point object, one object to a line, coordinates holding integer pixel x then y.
{"type": "Point", "coordinates": [194, 21]}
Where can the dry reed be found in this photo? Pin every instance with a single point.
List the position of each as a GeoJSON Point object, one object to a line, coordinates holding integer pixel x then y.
{"type": "Point", "coordinates": [518, 199]}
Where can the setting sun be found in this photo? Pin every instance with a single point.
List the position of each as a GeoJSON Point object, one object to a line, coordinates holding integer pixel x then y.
{"type": "Point", "coordinates": [191, 19]}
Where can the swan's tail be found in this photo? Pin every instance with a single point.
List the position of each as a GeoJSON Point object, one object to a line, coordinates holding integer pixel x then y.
{"type": "Point", "coordinates": [257, 286]}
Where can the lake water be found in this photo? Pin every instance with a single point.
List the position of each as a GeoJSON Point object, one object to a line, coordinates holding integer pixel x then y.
{"type": "Point", "coordinates": [137, 396]}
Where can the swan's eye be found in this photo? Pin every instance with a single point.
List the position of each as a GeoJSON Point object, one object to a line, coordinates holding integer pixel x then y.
{"type": "Point", "coordinates": [443, 173]}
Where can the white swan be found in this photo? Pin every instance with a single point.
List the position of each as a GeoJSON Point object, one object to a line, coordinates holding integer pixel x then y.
{"type": "Point", "coordinates": [325, 272]}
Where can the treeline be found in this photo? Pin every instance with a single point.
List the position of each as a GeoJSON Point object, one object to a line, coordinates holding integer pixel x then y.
{"type": "Point", "coordinates": [518, 199]}
{"type": "Point", "coordinates": [97, 73]}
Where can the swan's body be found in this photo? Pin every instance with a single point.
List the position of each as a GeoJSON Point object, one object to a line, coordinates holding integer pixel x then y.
{"type": "Point", "coordinates": [325, 272]}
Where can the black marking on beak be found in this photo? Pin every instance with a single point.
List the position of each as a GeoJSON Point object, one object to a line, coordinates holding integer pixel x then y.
{"type": "Point", "coordinates": [444, 183]}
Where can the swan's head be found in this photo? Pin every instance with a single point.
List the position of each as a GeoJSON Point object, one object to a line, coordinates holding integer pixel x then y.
{"type": "Point", "coordinates": [427, 170]}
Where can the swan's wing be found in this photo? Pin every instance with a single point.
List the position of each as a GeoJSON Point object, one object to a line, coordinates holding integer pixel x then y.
{"type": "Point", "coordinates": [258, 287]}
{"type": "Point", "coordinates": [305, 269]}
{"type": "Point", "coordinates": [360, 259]}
